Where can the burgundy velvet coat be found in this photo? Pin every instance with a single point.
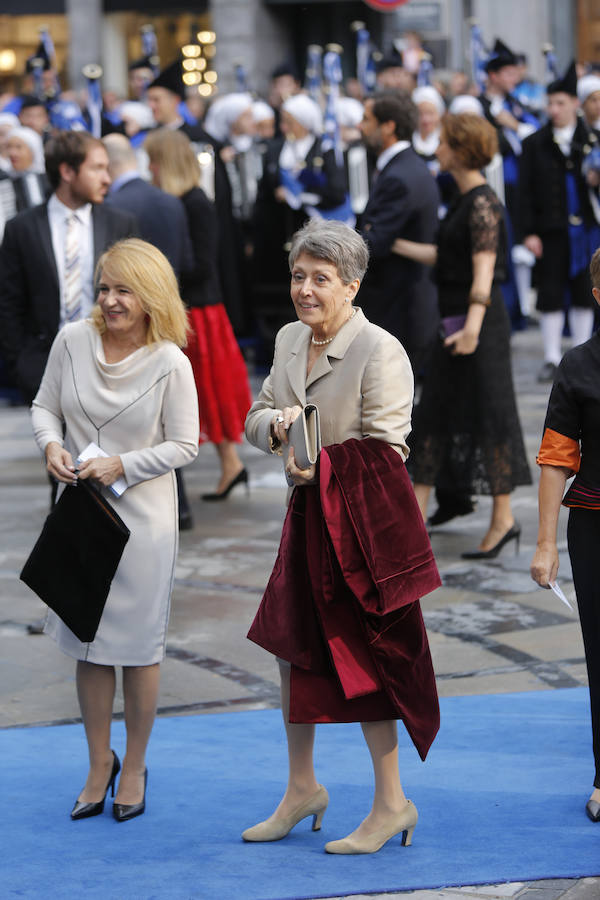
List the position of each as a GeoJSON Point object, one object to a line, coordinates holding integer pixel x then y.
{"type": "Point", "coordinates": [342, 604]}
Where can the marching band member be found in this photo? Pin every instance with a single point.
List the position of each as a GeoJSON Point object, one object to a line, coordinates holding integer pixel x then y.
{"type": "Point", "coordinates": [557, 219]}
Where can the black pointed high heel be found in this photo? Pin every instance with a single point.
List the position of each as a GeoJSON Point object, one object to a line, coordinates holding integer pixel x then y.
{"type": "Point", "coordinates": [592, 809]}
{"type": "Point", "coordinates": [83, 810]}
{"type": "Point", "coordinates": [124, 811]}
{"type": "Point", "coordinates": [513, 534]}
{"type": "Point", "coordinates": [240, 478]}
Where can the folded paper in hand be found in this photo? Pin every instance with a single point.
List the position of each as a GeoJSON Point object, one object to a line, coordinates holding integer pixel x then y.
{"type": "Point", "coordinates": [304, 435]}
{"type": "Point", "coordinates": [93, 451]}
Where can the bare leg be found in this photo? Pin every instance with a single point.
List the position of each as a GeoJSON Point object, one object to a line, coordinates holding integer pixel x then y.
{"type": "Point", "coordinates": [422, 492]}
{"type": "Point", "coordinates": [389, 798]}
{"type": "Point", "coordinates": [302, 782]}
{"type": "Point", "coordinates": [96, 693]}
{"type": "Point", "coordinates": [502, 521]}
{"type": "Point", "coordinates": [231, 464]}
{"type": "Point", "coordinates": [140, 691]}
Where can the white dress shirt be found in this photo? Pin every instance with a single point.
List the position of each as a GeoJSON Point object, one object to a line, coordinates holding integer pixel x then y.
{"type": "Point", "coordinates": [564, 138]}
{"type": "Point", "coordinates": [58, 214]}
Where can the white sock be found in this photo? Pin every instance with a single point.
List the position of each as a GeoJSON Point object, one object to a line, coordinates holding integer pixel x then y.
{"type": "Point", "coordinates": [581, 322]}
{"type": "Point", "coordinates": [552, 324]}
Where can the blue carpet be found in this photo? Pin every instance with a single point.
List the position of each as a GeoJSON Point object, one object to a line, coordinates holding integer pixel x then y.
{"type": "Point", "coordinates": [501, 798]}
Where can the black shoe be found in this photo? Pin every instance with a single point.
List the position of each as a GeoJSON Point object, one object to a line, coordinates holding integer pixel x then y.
{"type": "Point", "coordinates": [83, 810]}
{"type": "Point", "coordinates": [240, 478]}
{"type": "Point", "coordinates": [513, 534]}
{"type": "Point", "coordinates": [547, 373]}
{"type": "Point", "coordinates": [592, 809]}
{"type": "Point", "coordinates": [450, 510]}
{"type": "Point", "coordinates": [124, 811]}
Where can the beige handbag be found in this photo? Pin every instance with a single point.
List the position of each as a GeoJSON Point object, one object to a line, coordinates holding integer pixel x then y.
{"type": "Point", "coordinates": [304, 436]}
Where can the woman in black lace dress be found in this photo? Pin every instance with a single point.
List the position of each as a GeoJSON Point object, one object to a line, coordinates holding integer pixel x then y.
{"type": "Point", "coordinates": [467, 419]}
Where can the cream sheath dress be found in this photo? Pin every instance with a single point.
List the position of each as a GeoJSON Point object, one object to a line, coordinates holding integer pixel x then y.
{"type": "Point", "coordinates": [145, 410]}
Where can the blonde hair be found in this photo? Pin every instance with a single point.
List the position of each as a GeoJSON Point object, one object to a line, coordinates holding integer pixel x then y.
{"type": "Point", "coordinates": [148, 273]}
{"type": "Point", "coordinates": [175, 157]}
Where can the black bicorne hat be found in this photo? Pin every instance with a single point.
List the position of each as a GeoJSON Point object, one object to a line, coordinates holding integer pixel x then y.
{"type": "Point", "coordinates": [171, 78]}
{"type": "Point", "coordinates": [391, 60]}
{"type": "Point", "coordinates": [565, 85]}
{"type": "Point", "coordinates": [143, 62]}
{"type": "Point", "coordinates": [32, 61]}
{"type": "Point", "coordinates": [501, 56]}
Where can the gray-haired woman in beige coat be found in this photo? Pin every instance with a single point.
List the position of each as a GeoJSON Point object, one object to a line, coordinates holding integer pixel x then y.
{"type": "Point", "coordinates": [360, 378]}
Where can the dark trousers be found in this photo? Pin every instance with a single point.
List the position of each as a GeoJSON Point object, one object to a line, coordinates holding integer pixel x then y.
{"type": "Point", "coordinates": [583, 535]}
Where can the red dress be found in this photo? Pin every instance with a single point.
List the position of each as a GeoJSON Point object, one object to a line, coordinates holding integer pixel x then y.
{"type": "Point", "coordinates": [342, 604]}
{"type": "Point", "coordinates": [220, 374]}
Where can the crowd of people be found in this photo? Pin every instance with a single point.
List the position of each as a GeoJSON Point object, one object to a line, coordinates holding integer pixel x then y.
{"type": "Point", "coordinates": [438, 207]}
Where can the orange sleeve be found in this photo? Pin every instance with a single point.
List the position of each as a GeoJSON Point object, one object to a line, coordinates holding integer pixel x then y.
{"type": "Point", "coordinates": [558, 450]}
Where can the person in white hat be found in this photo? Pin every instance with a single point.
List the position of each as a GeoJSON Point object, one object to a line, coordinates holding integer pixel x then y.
{"type": "Point", "coordinates": [426, 137]}
{"type": "Point", "coordinates": [302, 179]}
{"type": "Point", "coordinates": [588, 94]}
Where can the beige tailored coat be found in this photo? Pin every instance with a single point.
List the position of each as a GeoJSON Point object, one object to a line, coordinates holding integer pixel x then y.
{"type": "Point", "coordinates": [362, 384]}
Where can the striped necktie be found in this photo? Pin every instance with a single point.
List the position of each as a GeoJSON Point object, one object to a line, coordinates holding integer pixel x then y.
{"type": "Point", "coordinates": [72, 270]}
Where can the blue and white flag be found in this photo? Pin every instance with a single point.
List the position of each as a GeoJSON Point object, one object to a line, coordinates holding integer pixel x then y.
{"type": "Point", "coordinates": [312, 81]}
{"type": "Point", "coordinates": [332, 77]}
{"type": "Point", "coordinates": [479, 57]}
{"type": "Point", "coordinates": [365, 64]}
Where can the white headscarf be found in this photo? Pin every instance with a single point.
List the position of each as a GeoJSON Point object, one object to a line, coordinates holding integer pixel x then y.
{"type": "Point", "coordinates": [586, 86]}
{"type": "Point", "coordinates": [223, 113]}
{"type": "Point", "coordinates": [305, 111]}
{"type": "Point", "coordinates": [139, 112]}
{"type": "Point", "coordinates": [428, 94]}
{"type": "Point", "coordinates": [7, 118]}
{"type": "Point", "coordinates": [262, 112]}
{"type": "Point", "coordinates": [35, 144]}
{"type": "Point", "coordinates": [465, 103]}
{"type": "Point", "coordinates": [349, 112]}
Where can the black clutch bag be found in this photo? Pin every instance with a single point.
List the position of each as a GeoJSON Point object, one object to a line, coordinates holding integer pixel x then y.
{"type": "Point", "coordinates": [75, 558]}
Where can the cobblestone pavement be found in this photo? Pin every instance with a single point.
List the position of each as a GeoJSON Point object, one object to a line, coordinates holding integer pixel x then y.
{"type": "Point", "coordinates": [491, 629]}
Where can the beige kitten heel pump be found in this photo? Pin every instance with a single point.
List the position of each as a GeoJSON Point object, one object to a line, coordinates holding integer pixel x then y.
{"type": "Point", "coordinates": [277, 829]}
{"type": "Point", "coordinates": [402, 822]}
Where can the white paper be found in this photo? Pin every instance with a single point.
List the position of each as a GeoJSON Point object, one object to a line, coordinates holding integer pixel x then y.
{"type": "Point", "coordinates": [559, 593]}
{"type": "Point", "coordinates": [93, 451]}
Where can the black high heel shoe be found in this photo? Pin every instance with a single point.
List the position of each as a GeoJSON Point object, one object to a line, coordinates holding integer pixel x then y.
{"type": "Point", "coordinates": [240, 478]}
{"type": "Point", "coordinates": [83, 810]}
{"type": "Point", "coordinates": [513, 534]}
{"type": "Point", "coordinates": [124, 811]}
{"type": "Point", "coordinates": [592, 809]}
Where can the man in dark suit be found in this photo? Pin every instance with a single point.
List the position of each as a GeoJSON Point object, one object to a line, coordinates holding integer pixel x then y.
{"type": "Point", "coordinates": [160, 216]}
{"type": "Point", "coordinates": [398, 294]}
{"type": "Point", "coordinates": [49, 253]}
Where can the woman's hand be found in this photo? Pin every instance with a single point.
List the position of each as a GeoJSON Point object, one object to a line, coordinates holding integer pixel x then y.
{"type": "Point", "coordinates": [544, 565]}
{"type": "Point", "coordinates": [299, 477]}
{"type": "Point", "coordinates": [59, 463]}
{"type": "Point", "coordinates": [462, 343]}
{"type": "Point", "coordinates": [105, 469]}
{"type": "Point", "coordinates": [280, 424]}
{"type": "Point", "coordinates": [280, 194]}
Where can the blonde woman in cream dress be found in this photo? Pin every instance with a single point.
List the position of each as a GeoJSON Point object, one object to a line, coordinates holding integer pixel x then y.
{"type": "Point", "coordinates": [121, 381]}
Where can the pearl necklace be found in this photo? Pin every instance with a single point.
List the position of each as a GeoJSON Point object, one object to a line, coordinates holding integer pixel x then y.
{"type": "Point", "coordinates": [329, 340]}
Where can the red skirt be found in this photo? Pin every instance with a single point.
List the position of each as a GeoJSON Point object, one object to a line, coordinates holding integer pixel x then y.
{"type": "Point", "coordinates": [220, 374]}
